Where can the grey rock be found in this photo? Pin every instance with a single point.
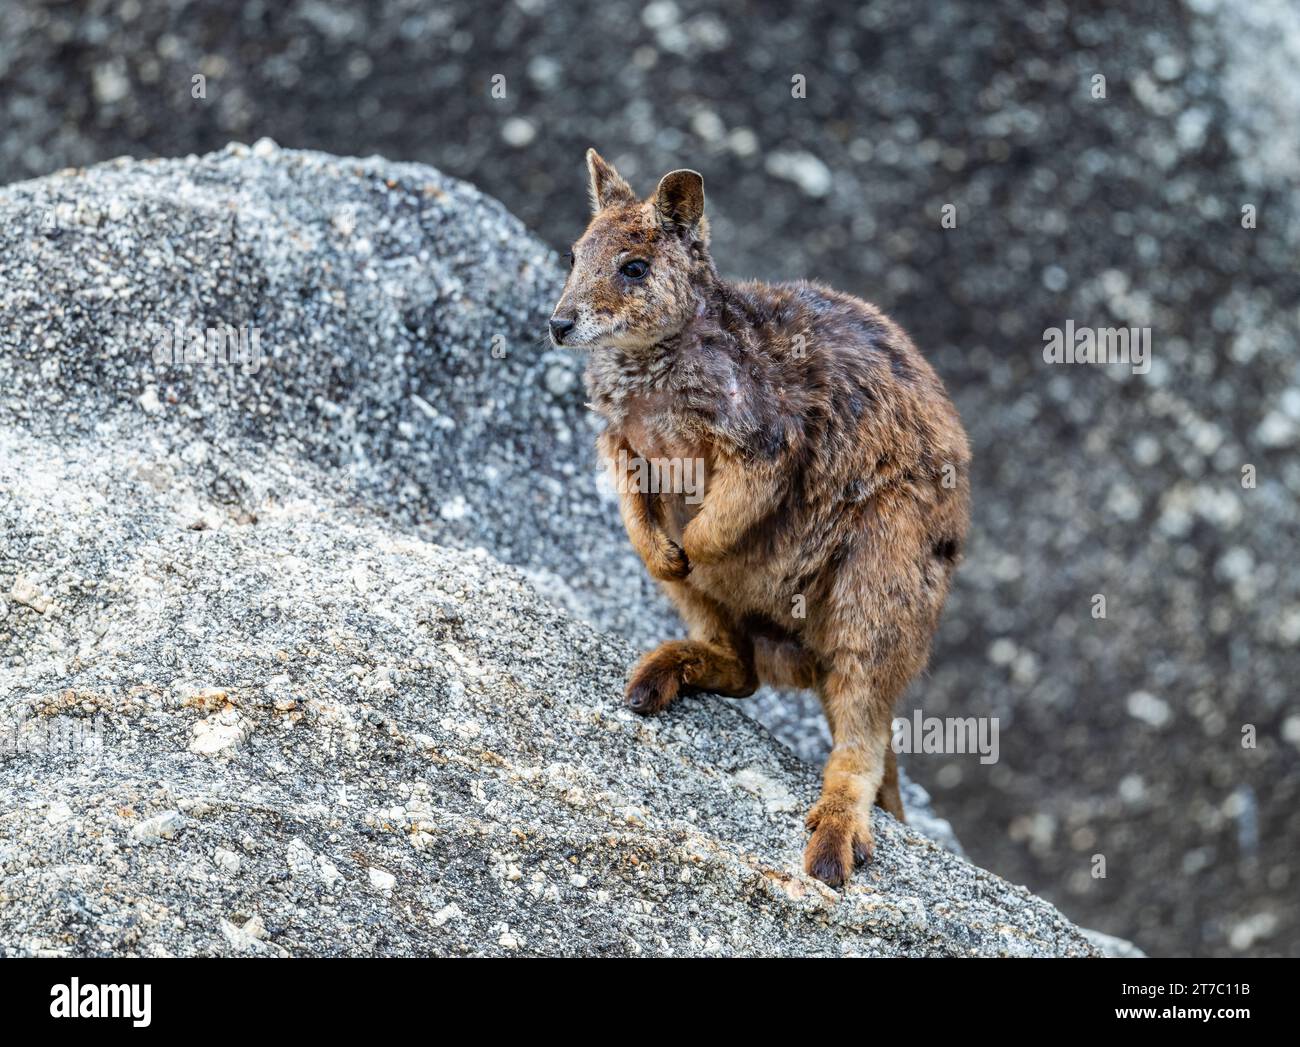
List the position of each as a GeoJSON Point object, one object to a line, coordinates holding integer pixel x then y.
{"type": "Point", "coordinates": [425, 749]}
{"type": "Point", "coordinates": [226, 860]}
{"type": "Point", "coordinates": [162, 826]}
{"type": "Point", "coordinates": [1116, 948]}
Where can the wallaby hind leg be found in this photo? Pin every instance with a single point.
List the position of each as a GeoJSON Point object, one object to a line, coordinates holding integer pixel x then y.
{"type": "Point", "coordinates": [718, 658]}
{"type": "Point", "coordinates": [786, 663]}
{"type": "Point", "coordinates": [887, 796]}
{"type": "Point", "coordinates": [841, 819]}
{"type": "Point", "coordinates": [684, 666]}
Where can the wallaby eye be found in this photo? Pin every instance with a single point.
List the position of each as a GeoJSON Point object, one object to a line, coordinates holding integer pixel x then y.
{"type": "Point", "coordinates": [635, 269]}
{"type": "Point", "coordinates": [569, 255]}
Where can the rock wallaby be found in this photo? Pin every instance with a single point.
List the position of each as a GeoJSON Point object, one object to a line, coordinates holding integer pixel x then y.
{"type": "Point", "coordinates": [791, 470]}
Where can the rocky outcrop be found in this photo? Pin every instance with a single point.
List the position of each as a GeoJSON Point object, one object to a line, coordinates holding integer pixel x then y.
{"type": "Point", "coordinates": [310, 640]}
{"type": "Point", "coordinates": [1120, 737]}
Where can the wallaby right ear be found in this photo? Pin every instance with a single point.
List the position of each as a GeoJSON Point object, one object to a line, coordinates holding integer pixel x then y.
{"type": "Point", "coordinates": [607, 186]}
{"type": "Point", "coordinates": [680, 198]}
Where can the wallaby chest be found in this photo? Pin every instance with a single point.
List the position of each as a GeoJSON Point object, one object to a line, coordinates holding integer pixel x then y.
{"type": "Point", "coordinates": [669, 462]}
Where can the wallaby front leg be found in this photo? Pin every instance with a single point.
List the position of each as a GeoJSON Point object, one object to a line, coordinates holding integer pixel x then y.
{"type": "Point", "coordinates": [737, 497]}
{"type": "Point", "coordinates": [663, 557]}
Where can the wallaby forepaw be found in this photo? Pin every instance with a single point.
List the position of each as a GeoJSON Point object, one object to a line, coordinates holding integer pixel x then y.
{"type": "Point", "coordinates": [672, 563]}
{"type": "Point", "coordinates": [840, 840]}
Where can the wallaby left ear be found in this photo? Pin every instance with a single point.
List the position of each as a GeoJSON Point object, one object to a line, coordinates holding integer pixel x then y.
{"type": "Point", "coordinates": [607, 185]}
{"type": "Point", "coordinates": [679, 200]}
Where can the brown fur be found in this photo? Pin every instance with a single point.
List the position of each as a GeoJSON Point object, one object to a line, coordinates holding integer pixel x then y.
{"type": "Point", "coordinates": [835, 481]}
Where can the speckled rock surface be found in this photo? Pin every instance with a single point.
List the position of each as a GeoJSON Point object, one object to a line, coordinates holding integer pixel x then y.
{"type": "Point", "coordinates": [270, 684]}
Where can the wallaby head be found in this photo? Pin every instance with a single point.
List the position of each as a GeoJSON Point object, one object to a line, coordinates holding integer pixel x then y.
{"type": "Point", "coordinates": [640, 271]}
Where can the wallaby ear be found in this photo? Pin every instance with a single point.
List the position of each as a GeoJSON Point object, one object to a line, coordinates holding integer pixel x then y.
{"type": "Point", "coordinates": [607, 186]}
{"type": "Point", "coordinates": [680, 198]}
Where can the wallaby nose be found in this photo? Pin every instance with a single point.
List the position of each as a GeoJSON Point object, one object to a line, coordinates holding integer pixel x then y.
{"type": "Point", "coordinates": [560, 326]}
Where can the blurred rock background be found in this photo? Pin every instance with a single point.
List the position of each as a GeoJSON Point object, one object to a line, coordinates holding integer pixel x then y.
{"type": "Point", "coordinates": [1120, 737]}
